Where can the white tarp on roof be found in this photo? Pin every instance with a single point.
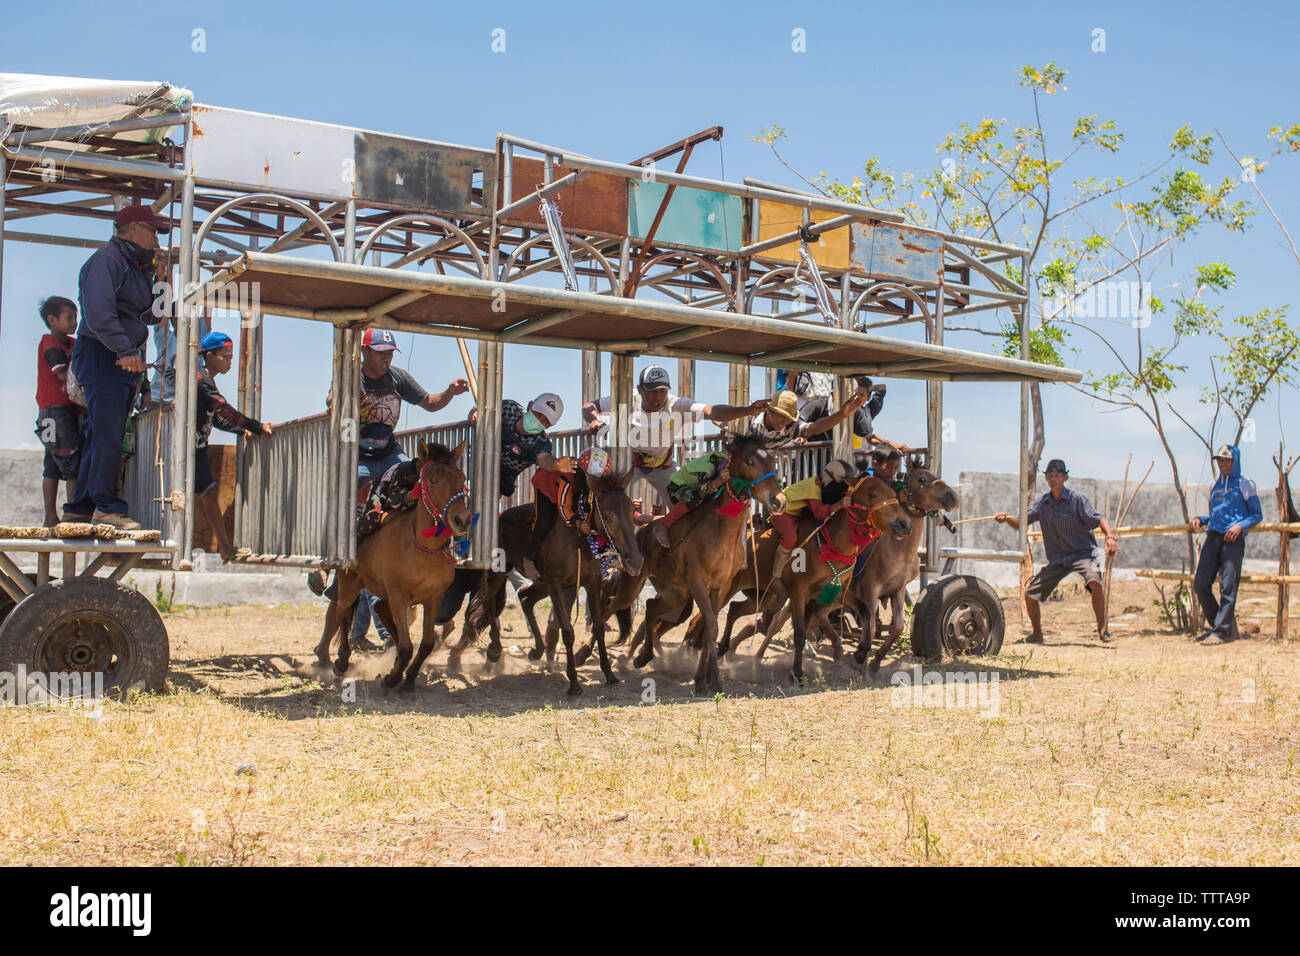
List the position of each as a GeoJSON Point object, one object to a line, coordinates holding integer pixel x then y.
{"type": "Point", "coordinates": [50, 101]}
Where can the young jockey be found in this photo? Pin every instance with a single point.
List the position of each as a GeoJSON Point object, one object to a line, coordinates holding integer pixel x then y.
{"type": "Point", "coordinates": [779, 424]}
{"type": "Point", "coordinates": [821, 496]}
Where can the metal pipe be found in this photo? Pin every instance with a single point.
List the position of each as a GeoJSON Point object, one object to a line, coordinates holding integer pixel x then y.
{"type": "Point", "coordinates": [796, 235]}
{"type": "Point", "coordinates": [4, 179]}
{"type": "Point", "coordinates": [352, 448]}
{"type": "Point", "coordinates": [177, 464]}
{"type": "Point", "coordinates": [1022, 504]}
{"type": "Point", "coordinates": [99, 164]}
{"type": "Point", "coordinates": [74, 133]}
{"type": "Point", "coordinates": [554, 189]}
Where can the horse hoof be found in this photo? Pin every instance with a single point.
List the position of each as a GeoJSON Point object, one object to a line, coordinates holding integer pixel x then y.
{"type": "Point", "coordinates": [494, 653]}
{"type": "Point", "coordinates": [340, 667]}
{"type": "Point", "coordinates": [407, 686]}
{"type": "Point", "coordinates": [582, 655]}
{"type": "Point", "coordinates": [390, 681]}
{"type": "Point", "coordinates": [641, 660]}
{"type": "Point", "coordinates": [875, 667]}
{"type": "Point", "coordinates": [534, 654]}
{"type": "Point", "coordinates": [611, 680]}
{"type": "Point", "coordinates": [575, 690]}
{"type": "Point", "coordinates": [797, 679]}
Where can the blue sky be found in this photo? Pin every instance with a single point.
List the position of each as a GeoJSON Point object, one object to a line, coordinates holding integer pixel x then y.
{"type": "Point", "coordinates": [617, 80]}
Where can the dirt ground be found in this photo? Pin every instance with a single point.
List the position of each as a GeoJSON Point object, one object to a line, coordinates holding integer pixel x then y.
{"type": "Point", "coordinates": [1152, 750]}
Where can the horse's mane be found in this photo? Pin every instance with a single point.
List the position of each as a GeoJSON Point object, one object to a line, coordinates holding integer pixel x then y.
{"type": "Point", "coordinates": [739, 443]}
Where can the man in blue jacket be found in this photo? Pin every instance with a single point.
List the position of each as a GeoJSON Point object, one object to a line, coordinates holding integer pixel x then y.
{"type": "Point", "coordinates": [1234, 510]}
{"type": "Point", "coordinates": [116, 292]}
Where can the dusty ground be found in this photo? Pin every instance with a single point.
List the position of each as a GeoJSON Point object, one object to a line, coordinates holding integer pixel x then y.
{"type": "Point", "coordinates": [1150, 751]}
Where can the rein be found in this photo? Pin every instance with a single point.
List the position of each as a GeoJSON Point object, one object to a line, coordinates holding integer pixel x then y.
{"type": "Point", "coordinates": [744, 486]}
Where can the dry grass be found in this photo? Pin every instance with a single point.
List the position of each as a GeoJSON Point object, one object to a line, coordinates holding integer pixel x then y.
{"type": "Point", "coordinates": [1153, 751]}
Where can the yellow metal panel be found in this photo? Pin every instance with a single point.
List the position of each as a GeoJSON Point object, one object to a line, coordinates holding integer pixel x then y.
{"type": "Point", "coordinates": [776, 219]}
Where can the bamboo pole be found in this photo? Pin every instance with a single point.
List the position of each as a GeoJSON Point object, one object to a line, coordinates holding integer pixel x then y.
{"type": "Point", "coordinates": [1171, 529]}
{"type": "Point", "coordinates": [1244, 579]}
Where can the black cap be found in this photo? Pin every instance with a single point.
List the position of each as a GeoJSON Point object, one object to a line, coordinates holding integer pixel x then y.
{"type": "Point", "coordinates": [1056, 464]}
{"type": "Point", "coordinates": [654, 376]}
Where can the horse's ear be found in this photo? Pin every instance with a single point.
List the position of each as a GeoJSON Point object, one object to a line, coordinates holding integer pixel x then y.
{"type": "Point", "coordinates": [422, 451]}
{"type": "Point", "coordinates": [459, 450]}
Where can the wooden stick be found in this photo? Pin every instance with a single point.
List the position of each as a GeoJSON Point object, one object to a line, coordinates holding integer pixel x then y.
{"type": "Point", "coordinates": [1110, 558]}
{"type": "Point", "coordinates": [1162, 529]}
{"type": "Point", "coordinates": [980, 518]}
{"type": "Point", "coordinates": [469, 368]}
{"type": "Point", "coordinates": [1245, 578]}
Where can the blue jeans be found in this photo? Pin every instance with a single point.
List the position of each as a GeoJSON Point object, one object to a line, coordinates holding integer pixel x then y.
{"type": "Point", "coordinates": [1221, 559]}
{"type": "Point", "coordinates": [110, 391]}
{"type": "Point", "coordinates": [367, 472]}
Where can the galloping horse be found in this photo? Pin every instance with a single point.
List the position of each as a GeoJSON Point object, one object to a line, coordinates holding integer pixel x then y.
{"type": "Point", "coordinates": [707, 548]}
{"type": "Point", "coordinates": [894, 562]}
{"type": "Point", "coordinates": [872, 510]}
{"type": "Point", "coordinates": [567, 560]}
{"type": "Point", "coordinates": [405, 562]}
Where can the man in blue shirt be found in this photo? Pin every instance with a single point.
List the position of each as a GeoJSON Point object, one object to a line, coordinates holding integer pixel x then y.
{"type": "Point", "coordinates": [1067, 519]}
{"type": "Point", "coordinates": [1234, 510]}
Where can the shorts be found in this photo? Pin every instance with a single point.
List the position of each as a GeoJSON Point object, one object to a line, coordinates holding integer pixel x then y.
{"type": "Point", "coordinates": [1050, 575]}
{"type": "Point", "coordinates": [203, 480]}
{"type": "Point", "coordinates": [59, 429]}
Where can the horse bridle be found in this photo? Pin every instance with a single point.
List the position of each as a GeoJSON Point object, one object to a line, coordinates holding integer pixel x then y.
{"type": "Point", "coordinates": [435, 512]}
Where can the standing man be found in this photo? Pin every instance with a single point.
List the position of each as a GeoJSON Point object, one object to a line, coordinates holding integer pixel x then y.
{"type": "Point", "coordinates": [1067, 519]}
{"type": "Point", "coordinates": [1234, 510]}
{"type": "Point", "coordinates": [116, 293]}
{"type": "Point", "coordinates": [657, 422]}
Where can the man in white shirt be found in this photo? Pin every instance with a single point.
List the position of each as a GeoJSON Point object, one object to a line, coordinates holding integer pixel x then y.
{"type": "Point", "coordinates": [657, 422]}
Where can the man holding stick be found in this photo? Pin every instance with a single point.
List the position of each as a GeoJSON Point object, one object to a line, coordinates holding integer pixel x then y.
{"type": "Point", "coordinates": [1067, 519]}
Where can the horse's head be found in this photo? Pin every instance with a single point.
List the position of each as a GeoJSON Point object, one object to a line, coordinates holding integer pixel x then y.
{"type": "Point", "coordinates": [613, 517]}
{"type": "Point", "coordinates": [444, 484]}
{"type": "Point", "coordinates": [753, 464]}
{"type": "Point", "coordinates": [925, 490]}
{"type": "Point", "coordinates": [873, 500]}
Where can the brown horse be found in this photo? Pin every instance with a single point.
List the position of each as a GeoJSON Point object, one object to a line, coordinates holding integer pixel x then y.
{"type": "Point", "coordinates": [566, 562]}
{"type": "Point", "coordinates": [707, 548]}
{"type": "Point", "coordinates": [872, 511]}
{"type": "Point", "coordinates": [894, 562]}
{"type": "Point", "coordinates": [405, 562]}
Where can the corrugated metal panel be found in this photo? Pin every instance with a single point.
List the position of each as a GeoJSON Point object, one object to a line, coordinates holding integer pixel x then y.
{"type": "Point", "coordinates": [897, 252]}
{"type": "Point", "coordinates": [695, 218]}
{"type": "Point", "coordinates": [595, 205]}
{"type": "Point", "coordinates": [832, 249]}
{"type": "Point", "coordinates": [144, 481]}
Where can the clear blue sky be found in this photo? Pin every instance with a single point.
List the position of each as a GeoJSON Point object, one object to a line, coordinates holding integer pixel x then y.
{"type": "Point", "coordinates": [617, 80]}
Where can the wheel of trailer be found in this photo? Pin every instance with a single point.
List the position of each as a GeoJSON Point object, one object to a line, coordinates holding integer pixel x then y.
{"type": "Point", "coordinates": [85, 626]}
{"type": "Point", "coordinates": [960, 614]}
{"type": "Point", "coordinates": [6, 605]}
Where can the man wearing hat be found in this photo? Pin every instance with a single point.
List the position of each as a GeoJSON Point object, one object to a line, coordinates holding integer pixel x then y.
{"type": "Point", "coordinates": [1067, 519]}
{"type": "Point", "coordinates": [780, 423]}
{"type": "Point", "coordinates": [524, 441]}
{"type": "Point", "coordinates": [115, 289]}
{"type": "Point", "coordinates": [658, 421]}
{"type": "Point", "coordinates": [1234, 510]}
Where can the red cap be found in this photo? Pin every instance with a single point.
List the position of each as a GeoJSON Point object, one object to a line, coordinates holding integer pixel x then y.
{"type": "Point", "coordinates": [129, 214]}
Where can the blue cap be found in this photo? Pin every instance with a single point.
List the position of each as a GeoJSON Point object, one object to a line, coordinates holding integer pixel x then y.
{"type": "Point", "coordinates": [381, 340]}
{"type": "Point", "coordinates": [213, 341]}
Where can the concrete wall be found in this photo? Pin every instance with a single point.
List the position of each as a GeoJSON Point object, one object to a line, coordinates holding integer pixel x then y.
{"type": "Point", "coordinates": [984, 493]}
{"type": "Point", "coordinates": [20, 487]}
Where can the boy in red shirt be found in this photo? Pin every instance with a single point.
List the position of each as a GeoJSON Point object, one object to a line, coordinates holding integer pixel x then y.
{"type": "Point", "coordinates": [58, 419]}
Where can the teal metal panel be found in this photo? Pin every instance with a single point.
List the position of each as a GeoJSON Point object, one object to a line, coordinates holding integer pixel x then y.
{"type": "Point", "coordinates": [897, 252]}
{"type": "Point", "coordinates": [695, 218]}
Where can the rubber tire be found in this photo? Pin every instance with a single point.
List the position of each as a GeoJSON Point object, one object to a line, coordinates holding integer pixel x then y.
{"type": "Point", "coordinates": [130, 611]}
{"type": "Point", "coordinates": [939, 599]}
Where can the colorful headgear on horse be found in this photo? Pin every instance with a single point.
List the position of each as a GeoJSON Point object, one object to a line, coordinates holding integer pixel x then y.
{"type": "Point", "coordinates": [595, 462]}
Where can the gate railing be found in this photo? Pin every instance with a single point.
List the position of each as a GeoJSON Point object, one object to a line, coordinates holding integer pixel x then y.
{"type": "Point", "coordinates": [281, 494]}
{"type": "Point", "coordinates": [145, 472]}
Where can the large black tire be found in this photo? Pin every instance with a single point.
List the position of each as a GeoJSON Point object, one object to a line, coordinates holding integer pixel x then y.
{"type": "Point", "coordinates": [85, 625]}
{"type": "Point", "coordinates": [960, 614]}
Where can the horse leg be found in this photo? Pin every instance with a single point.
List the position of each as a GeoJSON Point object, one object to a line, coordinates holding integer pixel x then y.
{"type": "Point", "coordinates": [624, 617]}
{"type": "Point", "coordinates": [332, 616]}
{"type": "Point", "coordinates": [868, 630]}
{"type": "Point", "coordinates": [771, 620]}
{"type": "Point", "coordinates": [895, 629]}
{"type": "Point", "coordinates": [735, 610]}
{"type": "Point", "coordinates": [706, 673]}
{"type": "Point", "coordinates": [831, 631]}
{"type": "Point", "coordinates": [599, 617]}
{"type": "Point", "coordinates": [401, 623]}
{"type": "Point", "coordinates": [347, 595]}
{"type": "Point", "coordinates": [528, 599]}
{"type": "Point", "coordinates": [798, 613]}
{"type": "Point", "coordinates": [427, 643]}
{"type": "Point", "coordinates": [560, 607]}
{"type": "Point", "coordinates": [658, 610]}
